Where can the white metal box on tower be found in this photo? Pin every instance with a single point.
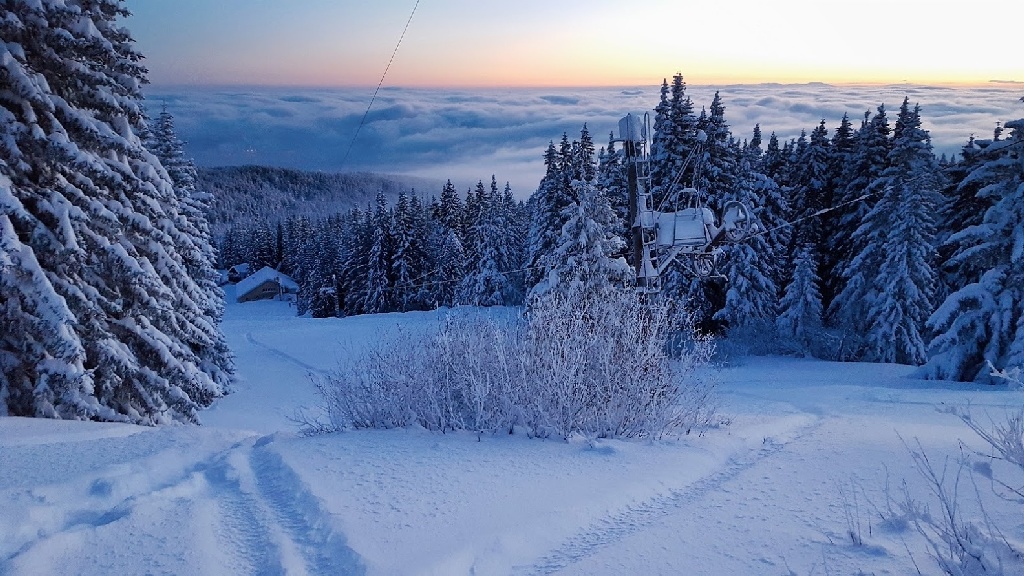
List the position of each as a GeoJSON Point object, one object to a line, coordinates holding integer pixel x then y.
{"type": "Point", "coordinates": [631, 128]}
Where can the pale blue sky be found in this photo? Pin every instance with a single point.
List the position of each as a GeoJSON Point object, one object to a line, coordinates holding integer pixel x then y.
{"type": "Point", "coordinates": [575, 42]}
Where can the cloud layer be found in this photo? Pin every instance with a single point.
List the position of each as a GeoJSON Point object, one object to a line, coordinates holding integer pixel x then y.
{"type": "Point", "coordinates": [469, 134]}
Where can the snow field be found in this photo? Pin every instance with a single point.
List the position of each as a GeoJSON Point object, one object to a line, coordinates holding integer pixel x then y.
{"type": "Point", "coordinates": [808, 445]}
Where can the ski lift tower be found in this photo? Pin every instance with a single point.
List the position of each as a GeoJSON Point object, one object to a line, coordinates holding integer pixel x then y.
{"type": "Point", "coordinates": [681, 225]}
{"type": "Point", "coordinates": [633, 132]}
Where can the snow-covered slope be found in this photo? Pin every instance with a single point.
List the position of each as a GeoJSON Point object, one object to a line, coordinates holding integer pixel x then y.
{"type": "Point", "coordinates": [809, 444]}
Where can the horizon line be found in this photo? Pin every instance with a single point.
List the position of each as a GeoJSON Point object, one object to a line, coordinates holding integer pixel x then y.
{"type": "Point", "coordinates": [1009, 84]}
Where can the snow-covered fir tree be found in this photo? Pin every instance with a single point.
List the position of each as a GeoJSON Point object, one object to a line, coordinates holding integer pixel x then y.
{"type": "Point", "coordinates": [719, 167]}
{"type": "Point", "coordinates": [586, 260]}
{"type": "Point", "coordinates": [376, 293]}
{"type": "Point", "coordinates": [833, 238]}
{"type": "Point", "coordinates": [984, 320]}
{"type": "Point", "coordinates": [488, 281]}
{"type": "Point", "coordinates": [857, 243]}
{"type": "Point", "coordinates": [194, 243]}
{"type": "Point", "coordinates": [320, 292]}
{"type": "Point", "coordinates": [411, 263]}
{"type": "Point", "coordinates": [908, 265]}
{"type": "Point", "coordinates": [611, 180]}
{"type": "Point", "coordinates": [800, 307]}
{"type": "Point", "coordinates": [675, 137]}
{"type": "Point", "coordinates": [101, 316]}
{"type": "Point", "coordinates": [548, 204]}
{"type": "Point", "coordinates": [810, 186]}
{"type": "Point", "coordinates": [451, 266]}
{"type": "Point", "coordinates": [775, 212]}
{"type": "Point", "coordinates": [545, 218]}
{"type": "Point", "coordinates": [963, 208]}
{"type": "Point", "coordinates": [449, 211]}
{"type": "Point", "coordinates": [354, 251]}
{"type": "Point", "coordinates": [752, 298]}
{"type": "Point", "coordinates": [895, 271]}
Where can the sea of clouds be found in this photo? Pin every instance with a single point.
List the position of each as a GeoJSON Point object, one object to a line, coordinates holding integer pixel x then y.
{"type": "Point", "coordinates": [468, 135]}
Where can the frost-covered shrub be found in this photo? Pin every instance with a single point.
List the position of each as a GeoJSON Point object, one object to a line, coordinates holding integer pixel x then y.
{"type": "Point", "coordinates": [961, 545]}
{"type": "Point", "coordinates": [596, 366]}
{"type": "Point", "coordinates": [603, 365]}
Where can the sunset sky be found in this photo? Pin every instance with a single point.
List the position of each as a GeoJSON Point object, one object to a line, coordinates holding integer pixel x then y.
{"type": "Point", "coordinates": [474, 43]}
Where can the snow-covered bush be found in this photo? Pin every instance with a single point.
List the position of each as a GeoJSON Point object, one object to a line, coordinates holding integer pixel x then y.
{"type": "Point", "coordinates": [595, 366]}
{"type": "Point", "coordinates": [604, 365]}
{"type": "Point", "coordinates": [969, 546]}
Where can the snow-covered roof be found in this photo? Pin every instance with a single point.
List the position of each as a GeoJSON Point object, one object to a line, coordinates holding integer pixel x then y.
{"type": "Point", "coordinates": [261, 276]}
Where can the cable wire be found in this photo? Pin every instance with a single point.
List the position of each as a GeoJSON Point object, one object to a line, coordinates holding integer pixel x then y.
{"type": "Point", "coordinates": [379, 84]}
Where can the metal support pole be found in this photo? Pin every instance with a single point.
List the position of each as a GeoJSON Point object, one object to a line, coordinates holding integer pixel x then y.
{"type": "Point", "coordinates": [632, 186]}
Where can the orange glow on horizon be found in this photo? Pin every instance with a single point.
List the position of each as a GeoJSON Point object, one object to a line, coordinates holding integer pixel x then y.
{"type": "Point", "coordinates": [539, 43]}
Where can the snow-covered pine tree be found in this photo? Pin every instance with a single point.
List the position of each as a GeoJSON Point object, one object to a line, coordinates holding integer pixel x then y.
{"type": "Point", "coordinates": [547, 212]}
{"type": "Point", "coordinates": [354, 250]}
{"type": "Point", "coordinates": [984, 321]}
{"type": "Point", "coordinates": [545, 218]}
{"type": "Point", "coordinates": [611, 179]}
{"type": "Point", "coordinates": [586, 261]}
{"type": "Point", "coordinates": [231, 249]}
{"type": "Point", "coordinates": [404, 266]}
{"type": "Point", "coordinates": [516, 222]}
{"type": "Point", "coordinates": [964, 207]}
{"type": "Point", "coordinates": [99, 311]}
{"type": "Point", "coordinates": [450, 212]}
{"type": "Point", "coordinates": [752, 296]}
{"type": "Point", "coordinates": [776, 213]}
{"type": "Point", "coordinates": [194, 243]}
{"type": "Point", "coordinates": [450, 267]}
{"type": "Point", "coordinates": [675, 136]}
{"type": "Point", "coordinates": [319, 292]}
{"type": "Point", "coordinates": [857, 243]}
{"type": "Point", "coordinates": [901, 232]}
{"type": "Point", "coordinates": [486, 283]}
{"type": "Point", "coordinates": [774, 161]}
{"type": "Point", "coordinates": [263, 245]}
{"type": "Point", "coordinates": [377, 281]}
{"type": "Point", "coordinates": [475, 200]}
{"type": "Point", "coordinates": [753, 148]}
{"type": "Point", "coordinates": [719, 167]}
{"type": "Point", "coordinates": [841, 150]}
{"type": "Point", "coordinates": [800, 307]}
{"type": "Point", "coordinates": [584, 167]}
{"type": "Point", "coordinates": [298, 230]}
{"type": "Point", "coordinates": [811, 192]}
{"type": "Point", "coordinates": [420, 256]}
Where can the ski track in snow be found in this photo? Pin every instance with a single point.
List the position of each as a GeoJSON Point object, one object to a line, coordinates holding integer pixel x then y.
{"type": "Point", "coordinates": [241, 531]}
{"type": "Point", "coordinates": [299, 513]}
{"type": "Point", "coordinates": [101, 486]}
{"type": "Point", "coordinates": [284, 355]}
{"type": "Point", "coordinates": [621, 524]}
{"type": "Point", "coordinates": [267, 521]}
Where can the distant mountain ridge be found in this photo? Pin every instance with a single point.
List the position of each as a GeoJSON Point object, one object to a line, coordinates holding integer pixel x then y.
{"type": "Point", "coordinates": [242, 194]}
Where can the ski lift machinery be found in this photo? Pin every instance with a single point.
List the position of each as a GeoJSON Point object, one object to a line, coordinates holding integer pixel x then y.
{"type": "Point", "coordinates": [682, 226]}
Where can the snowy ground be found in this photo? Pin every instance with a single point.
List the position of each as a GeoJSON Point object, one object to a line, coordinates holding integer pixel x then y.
{"type": "Point", "coordinates": [243, 494]}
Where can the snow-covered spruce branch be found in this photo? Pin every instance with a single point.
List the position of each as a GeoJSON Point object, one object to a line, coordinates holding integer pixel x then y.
{"type": "Point", "coordinates": [599, 366]}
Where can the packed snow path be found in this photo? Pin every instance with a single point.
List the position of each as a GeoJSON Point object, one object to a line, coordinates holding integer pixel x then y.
{"type": "Point", "coordinates": [173, 502]}
{"type": "Point", "coordinates": [808, 445]}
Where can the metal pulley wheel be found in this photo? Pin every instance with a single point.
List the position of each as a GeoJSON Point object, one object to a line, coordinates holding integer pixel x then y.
{"type": "Point", "coordinates": [703, 264]}
{"type": "Point", "coordinates": [736, 221]}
